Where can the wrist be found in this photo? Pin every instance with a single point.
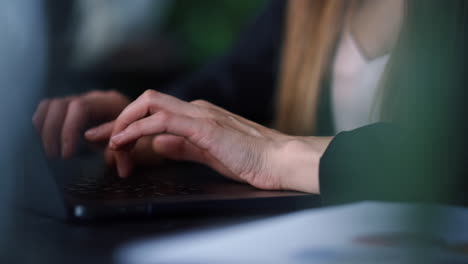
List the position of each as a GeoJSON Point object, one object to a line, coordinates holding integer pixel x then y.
{"type": "Point", "coordinates": [298, 163]}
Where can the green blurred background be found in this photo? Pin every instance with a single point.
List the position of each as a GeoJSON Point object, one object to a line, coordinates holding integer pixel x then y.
{"type": "Point", "coordinates": [208, 27]}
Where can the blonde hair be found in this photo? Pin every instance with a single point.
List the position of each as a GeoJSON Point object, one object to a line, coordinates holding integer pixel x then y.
{"type": "Point", "coordinates": [311, 31]}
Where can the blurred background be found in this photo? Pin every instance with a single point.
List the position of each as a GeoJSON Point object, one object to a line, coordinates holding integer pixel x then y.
{"type": "Point", "coordinates": [135, 45]}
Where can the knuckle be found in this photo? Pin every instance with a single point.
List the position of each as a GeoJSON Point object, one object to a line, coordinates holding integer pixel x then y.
{"type": "Point", "coordinates": [78, 104]}
{"type": "Point", "coordinates": [113, 93]}
{"type": "Point", "coordinates": [116, 95]}
{"type": "Point", "coordinates": [205, 109]}
{"type": "Point", "coordinates": [58, 103]}
{"type": "Point", "coordinates": [94, 93]}
{"type": "Point", "coordinates": [149, 94]}
{"type": "Point", "coordinates": [211, 114]}
{"type": "Point", "coordinates": [162, 116]}
{"type": "Point", "coordinates": [54, 102]}
{"type": "Point", "coordinates": [200, 102]}
{"type": "Point", "coordinates": [148, 97]}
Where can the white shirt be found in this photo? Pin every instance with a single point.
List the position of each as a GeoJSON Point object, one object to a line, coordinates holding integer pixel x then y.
{"type": "Point", "coordinates": [354, 86]}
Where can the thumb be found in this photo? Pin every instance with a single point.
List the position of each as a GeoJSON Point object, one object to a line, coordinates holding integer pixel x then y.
{"type": "Point", "coordinates": [100, 133]}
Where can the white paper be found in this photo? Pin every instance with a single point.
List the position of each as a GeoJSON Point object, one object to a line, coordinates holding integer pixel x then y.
{"type": "Point", "coordinates": [327, 235]}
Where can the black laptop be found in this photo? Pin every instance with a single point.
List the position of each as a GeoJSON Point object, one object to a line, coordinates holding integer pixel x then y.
{"type": "Point", "coordinates": [85, 189]}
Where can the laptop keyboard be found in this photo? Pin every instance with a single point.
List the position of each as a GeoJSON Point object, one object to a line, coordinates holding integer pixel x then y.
{"type": "Point", "coordinates": [115, 188]}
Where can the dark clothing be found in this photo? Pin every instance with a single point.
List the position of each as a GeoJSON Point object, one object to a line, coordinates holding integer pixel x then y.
{"type": "Point", "coordinates": [380, 161]}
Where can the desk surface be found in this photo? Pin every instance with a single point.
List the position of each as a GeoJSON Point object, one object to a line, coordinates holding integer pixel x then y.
{"type": "Point", "coordinates": [38, 239]}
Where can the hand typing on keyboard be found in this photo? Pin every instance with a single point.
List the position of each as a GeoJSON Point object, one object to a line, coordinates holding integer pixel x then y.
{"type": "Point", "coordinates": [61, 122]}
{"type": "Point", "coordinates": [232, 145]}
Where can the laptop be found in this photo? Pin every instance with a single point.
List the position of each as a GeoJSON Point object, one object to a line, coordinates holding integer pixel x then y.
{"type": "Point", "coordinates": [84, 189]}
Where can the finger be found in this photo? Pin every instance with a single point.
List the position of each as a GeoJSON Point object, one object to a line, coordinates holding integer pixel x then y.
{"type": "Point", "coordinates": [40, 114]}
{"type": "Point", "coordinates": [143, 153]}
{"type": "Point", "coordinates": [196, 130]}
{"type": "Point", "coordinates": [149, 103]}
{"type": "Point", "coordinates": [179, 148]}
{"type": "Point", "coordinates": [105, 105]}
{"type": "Point", "coordinates": [124, 163]}
{"type": "Point", "coordinates": [100, 133]}
{"type": "Point", "coordinates": [174, 147]}
{"type": "Point", "coordinates": [109, 157]}
{"type": "Point", "coordinates": [75, 121]}
{"type": "Point", "coordinates": [52, 126]}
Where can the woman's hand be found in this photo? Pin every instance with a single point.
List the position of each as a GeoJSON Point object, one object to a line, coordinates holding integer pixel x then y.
{"type": "Point", "coordinates": [202, 132]}
{"type": "Point", "coordinates": [61, 121]}
{"type": "Point", "coordinates": [142, 153]}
